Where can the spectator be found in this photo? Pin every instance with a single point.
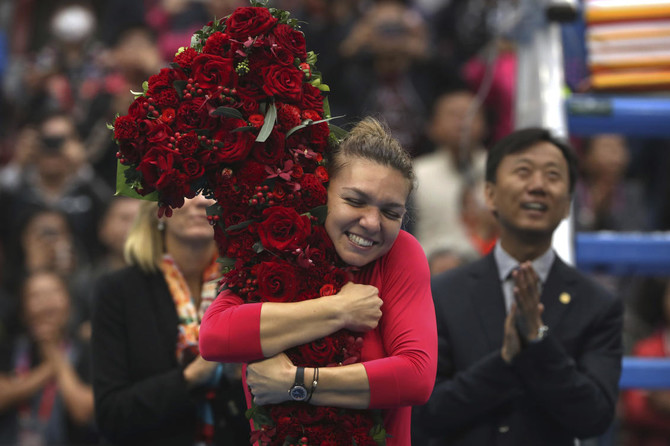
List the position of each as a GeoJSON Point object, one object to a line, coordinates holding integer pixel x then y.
{"type": "Point", "coordinates": [529, 349]}
{"type": "Point", "coordinates": [384, 53]}
{"type": "Point", "coordinates": [605, 199]}
{"type": "Point", "coordinates": [445, 175]}
{"type": "Point", "coordinates": [151, 385]}
{"type": "Point", "coordinates": [59, 178]}
{"type": "Point", "coordinates": [646, 412]}
{"type": "Point", "coordinates": [46, 398]}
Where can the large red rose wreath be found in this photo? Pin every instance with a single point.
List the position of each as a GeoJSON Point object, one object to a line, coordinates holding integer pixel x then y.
{"type": "Point", "coordinates": [241, 117]}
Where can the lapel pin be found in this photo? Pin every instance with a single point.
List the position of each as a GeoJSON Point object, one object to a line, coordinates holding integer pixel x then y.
{"type": "Point", "coordinates": [564, 298]}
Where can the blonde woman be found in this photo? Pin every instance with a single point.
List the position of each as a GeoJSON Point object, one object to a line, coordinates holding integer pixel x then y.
{"type": "Point", "coordinates": [151, 385]}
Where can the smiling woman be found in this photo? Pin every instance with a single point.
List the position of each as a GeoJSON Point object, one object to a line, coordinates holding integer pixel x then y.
{"type": "Point", "coordinates": [388, 306]}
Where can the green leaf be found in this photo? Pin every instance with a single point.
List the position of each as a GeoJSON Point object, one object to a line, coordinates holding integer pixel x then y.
{"type": "Point", "coordinates": [145, 86]}
{"type": "Point", "coordinates": [326, 107]}
{"type": "Point", "coordinates": [338, 132]}
{"type": "Point", "coordinates": [378, 434]}
{"type": "Point", "coordinates": [246, 128]}
{"type": "Point", "coordinates": [323, 87]}
{"type": "Point", "coordinates": [124, 188]}
{"type": "Point", "coordinates": [258, 247]}
{"type": "Point", "coordinates": [307, 123]}
{"type": "Point", "coordinates": [228, 112]}
{"type": "Point", "coordinates": [239, 226]}
{"type": "Point", "coordinates": [320, 212]}
{"type": "Point", "coordinates": [268, 125]}
{"type": "Point", "coordinates": [226, 262]}
{"type": "Point", "coordinates": [311, 58]}
{"type": "Point", "coordinates": [179, 86]}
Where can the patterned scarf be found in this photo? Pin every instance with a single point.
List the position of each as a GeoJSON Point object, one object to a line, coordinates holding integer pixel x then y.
{"type": "Point", "coordinates": [189, 330]}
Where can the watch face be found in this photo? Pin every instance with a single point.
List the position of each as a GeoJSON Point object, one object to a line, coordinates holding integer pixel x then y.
{"type": "Point", "coordinates": [298, 393]}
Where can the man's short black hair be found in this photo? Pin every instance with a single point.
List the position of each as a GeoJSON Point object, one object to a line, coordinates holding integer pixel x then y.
{"type": "Point", "coordinates": [522, 139]}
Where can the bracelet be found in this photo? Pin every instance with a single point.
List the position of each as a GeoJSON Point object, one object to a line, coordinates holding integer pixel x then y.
{"type": "Point", "coordinates": [315, 381]}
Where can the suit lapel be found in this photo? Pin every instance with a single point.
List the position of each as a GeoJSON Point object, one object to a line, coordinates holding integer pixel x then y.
{"type": "Point", "coordinates": [488, 301]}
{"type": "Point", "coordinates": [557, 293]}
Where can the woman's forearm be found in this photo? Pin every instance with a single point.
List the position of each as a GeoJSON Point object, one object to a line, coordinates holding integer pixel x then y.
{"type": "Point", "coordinates": [285, 325]}
{"type": "Point", "coordinates": [346, 386]}
{"type": "Point", "coordinates": [15, 389]}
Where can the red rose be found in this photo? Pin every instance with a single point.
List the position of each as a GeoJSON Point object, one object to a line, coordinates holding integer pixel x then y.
{"type": "Point", "coordinates": [210, 71]}
{"type": "Point", "coordinates": [283, 82]}
{"type": "Point", "coordinates": [217, 44]}
{"type": "Point", "coordinates": [167, 116]}
{"type": "Point", "coordinates": [193, 115]}
{"type": "Point", "coordinates": [320, 352]}
{"type": "Point", "coordinates": [192, 168]}
{"type": "Point", "coordinates": [185, 58]}
{"type": "Point", "coordinates": [277, 281]}
{"type": "Point", "coordinates": [138, 108]}
{"type": "Point", "coordinates": [327, 290]}
{"type": "Point", "coordinates": [247, 105]}
{"type": "Point", "coordinates": [283, 229]}
{"type": "Point", "coordinates": [322, 174]}
{"type": "Point", "coordinates": [125, 127]}
{"type": "Point", "coordinates": [297, 172]}
{"type": "Point", "coordinates": [290, 39]}
{"type": "Point", "coordinates": [249, 22]}
{"type": "Point", "coordinates": [187, 144]}
{"type": "Point", "coordinates": [311, 98]}
{"type": "Point", "coordinates": [159, 133]}
{"type": "Point", "coordinates": [132, 151]}
{"type": "Point", "coordinates": [256, 120]}
{"type": "Point", "coordinates": [232, 146]}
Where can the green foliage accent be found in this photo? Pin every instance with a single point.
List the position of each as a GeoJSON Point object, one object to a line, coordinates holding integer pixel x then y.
{"type": "Point", "coordinates": [239, 226]}
{"type": "Point", "coordinates": [337, 132]}
{"type": "Point", "coordinates": [228, 112]}
{"type": "Point", "coordinates": [311, 58]}
{"type": "Point", "coordinates": [179, 86]}
{"type": "Point", "coordinates": [200, 37]}
{"type": "Point", "coordinates": [258, 247]}
{"type": "Point", "coordinates": [259, 415]}
{"type": "Point", "coordinates": [378, 434]}
{"type": "Point", "coordinates": [320, 212]}
{"type": "Point", "coordinates": [226, 262]}
{"type": "Point", "coordinates": [127, 179]}
{"type": "Point", "coordinates": [247, 128]}
{"type": "Point", "coordinates": [307, 123]}
{"type": "Point", "coordinates": [326, 107]}
{"type": "Point", "coordinates": [268, 125]}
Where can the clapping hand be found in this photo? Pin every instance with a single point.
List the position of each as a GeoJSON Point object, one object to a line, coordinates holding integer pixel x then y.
{"type": "Point", "coordinates": [524, 318]}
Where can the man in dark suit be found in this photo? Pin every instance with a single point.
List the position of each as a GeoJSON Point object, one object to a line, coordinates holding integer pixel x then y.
{"type": "Point", "coordinates": [529, 348]}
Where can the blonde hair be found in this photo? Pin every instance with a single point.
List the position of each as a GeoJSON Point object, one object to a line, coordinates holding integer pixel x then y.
{"type": "Point", "coordinates": [144, 246]}
{"type": "Point", "coordinates": [372, 140]}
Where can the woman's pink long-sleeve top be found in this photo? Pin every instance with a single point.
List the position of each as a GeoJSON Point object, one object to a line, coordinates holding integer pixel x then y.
{"type": "Point", "coordinates": [399, 356]}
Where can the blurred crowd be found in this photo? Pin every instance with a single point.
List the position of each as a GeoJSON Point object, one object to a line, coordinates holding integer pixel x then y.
{"type": "Point", "coordinates": [67, 68]}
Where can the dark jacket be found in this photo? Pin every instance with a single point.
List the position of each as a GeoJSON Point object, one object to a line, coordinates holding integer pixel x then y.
{"type": "Point", "coordinates": [562, 387]}
{"type": "Point", "coordinates": [140, 393]}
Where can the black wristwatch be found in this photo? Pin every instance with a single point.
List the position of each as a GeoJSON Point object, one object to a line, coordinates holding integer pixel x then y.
{"type": "Point", "coordinates": [298, 392]}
